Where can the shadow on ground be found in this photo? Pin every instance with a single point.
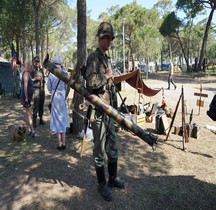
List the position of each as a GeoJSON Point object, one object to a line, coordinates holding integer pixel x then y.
{"type": "Point", "coordinates": [36, 176]}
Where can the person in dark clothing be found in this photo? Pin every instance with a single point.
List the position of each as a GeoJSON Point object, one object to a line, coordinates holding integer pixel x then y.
{"type": "Point", "coordinates": [38, 78]}
{"type": "Point", "coordinates": [99, 81]}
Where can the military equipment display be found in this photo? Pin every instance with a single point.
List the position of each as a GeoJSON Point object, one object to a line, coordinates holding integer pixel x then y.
{"type": "Point", "coordinates": [97, 102]}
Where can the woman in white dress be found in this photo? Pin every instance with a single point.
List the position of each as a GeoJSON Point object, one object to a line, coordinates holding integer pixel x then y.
{"type": "Point", "coordinates": [59, 115]}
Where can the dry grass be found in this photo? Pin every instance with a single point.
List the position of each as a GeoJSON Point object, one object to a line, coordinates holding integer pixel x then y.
{"type": "Point", "coordinates": [33, 175]}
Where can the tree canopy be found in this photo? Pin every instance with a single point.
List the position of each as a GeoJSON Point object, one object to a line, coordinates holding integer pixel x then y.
{"type": "Point", "coordinates": [40, 26]}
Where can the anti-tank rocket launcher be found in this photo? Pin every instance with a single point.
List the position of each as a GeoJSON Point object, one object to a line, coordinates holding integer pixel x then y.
{"type": "Point", "coordinates": [146, 136]}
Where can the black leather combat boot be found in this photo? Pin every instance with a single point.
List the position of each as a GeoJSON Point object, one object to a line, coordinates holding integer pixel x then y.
{"type": "Point", "coordinates": [42, 122]}
{"type": "Point", "coordinates": [114, 181]}
{"type": "Point", "coordinates": [102, 186]}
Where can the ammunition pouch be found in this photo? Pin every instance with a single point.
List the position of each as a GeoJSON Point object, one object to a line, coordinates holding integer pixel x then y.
{"type": "Point", "coordinates": [100, 90]}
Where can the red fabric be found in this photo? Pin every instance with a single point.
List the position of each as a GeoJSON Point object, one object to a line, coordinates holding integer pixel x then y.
{"type": "Point", "coordinates": [134, 79]}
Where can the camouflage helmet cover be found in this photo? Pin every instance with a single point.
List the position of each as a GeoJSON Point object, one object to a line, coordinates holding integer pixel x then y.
{"type": "Point", "coordinates": [36, 58]}
{"type": "Point", "coordinates": [105, 29]}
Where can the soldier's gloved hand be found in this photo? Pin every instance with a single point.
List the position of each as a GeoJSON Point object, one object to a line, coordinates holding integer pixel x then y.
{"type": "Point", "coordinates": [46, 61]}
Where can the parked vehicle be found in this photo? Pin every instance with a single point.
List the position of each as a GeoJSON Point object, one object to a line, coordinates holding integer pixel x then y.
{"type": "Point", "coordinates": [143, 67]}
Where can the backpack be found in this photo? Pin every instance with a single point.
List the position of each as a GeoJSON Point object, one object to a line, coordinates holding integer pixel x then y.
{"type": "Point", "coordinates": [212, 109]}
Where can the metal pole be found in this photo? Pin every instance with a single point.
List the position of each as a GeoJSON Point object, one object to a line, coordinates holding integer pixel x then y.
{"type": "Point", "coordinates": [123, 42]}
{"type": "Point", "coordinates": [123, 45]}
{"type": "Point", "coordinates": [183, 120]}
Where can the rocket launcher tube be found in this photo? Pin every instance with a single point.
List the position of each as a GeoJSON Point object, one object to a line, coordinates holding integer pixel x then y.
{"type": "Point", "coordinates": [97, 102]}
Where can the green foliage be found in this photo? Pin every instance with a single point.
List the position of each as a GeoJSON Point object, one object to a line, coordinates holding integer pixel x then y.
{"type": "Point", "coordinates": [170, 25]}
{"type": "Point", "coordinates": [15, 19]}
{"type": "Point", "coordinates": [190, 7]}
{"type": "Point", "coordinates": [163, 7]}
{"type": "Point", "coordinates": [61, 30]}
{"type": "Point", "coordinates": [91, 34]}
{"type": "Point", "coordinates": [141, 30]}
{"type": "Point", "coordinates": [211, 49]}
{"type": "Point", "coordinates": [56, 25]}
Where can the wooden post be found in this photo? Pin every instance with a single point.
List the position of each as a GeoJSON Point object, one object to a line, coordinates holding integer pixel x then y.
{"type": "Point", "coordinates": [200, 97]}
{"type": "Point", "coordinates": [199, 102]}
{"type": "Point", "coordinates": [183, 120]}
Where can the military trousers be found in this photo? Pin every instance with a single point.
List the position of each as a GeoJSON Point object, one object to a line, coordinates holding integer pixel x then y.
{"type": "Point", "coordinates": [105, 139]}
{"type": "Point", "coordinates": [38, 103]}
{"type": "Point", "coordinates": [170, 80]}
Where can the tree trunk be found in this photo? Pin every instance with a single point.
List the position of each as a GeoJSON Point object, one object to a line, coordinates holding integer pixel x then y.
{"type": "Point", "coordinates": [42, 49]}
{"type": "Point", "coordinates": [17, 49]}
{"type": "Point", "coordinates": [205, 39]}
{"type": "Point", "coordinates": [147, 66]}
{"type": "Point", "coordinates": [170, 49]}
{"type": "Point", "coordinates": [32, 51]}
{"type": "Point", "coordinates": [183, 52]}
{"type": "Point", "coordinates": [47, 41]}
{"type": "Point", "coordinates": [24, 49]}
{"type": "Point", "coordinates": [162, 58]}
{"type": "Point", "coordinates": [81, 59]}
{"type": "Point", "coordinates": [36, 6]}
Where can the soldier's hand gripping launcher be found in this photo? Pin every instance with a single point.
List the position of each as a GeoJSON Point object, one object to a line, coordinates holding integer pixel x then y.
{"type": "Point", "coordinates": [148, 137]}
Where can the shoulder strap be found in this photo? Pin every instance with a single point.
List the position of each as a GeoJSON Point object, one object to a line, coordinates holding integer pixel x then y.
{"type": "Point", "coordinates": [55, 91]}
{"type": "Point", "coordinates": [101, 59]}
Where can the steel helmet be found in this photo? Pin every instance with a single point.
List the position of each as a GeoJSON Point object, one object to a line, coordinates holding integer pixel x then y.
{"type": "Point", "coordinates": [36, 58]}
{"type": "Point", "coordinates": [105, 29]}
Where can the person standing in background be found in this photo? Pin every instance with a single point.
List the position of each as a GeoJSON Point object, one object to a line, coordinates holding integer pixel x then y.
{"type": "Point", "coordinates": [17, 79]}
{"type": "Point", "coordinates": [59, 115]}
{"type": "Point", "coordinates": [170, 77]}
{"type": "Point", "coordinates": [38, 78]}
{"type": "Point", "coordinates": [26, 97]}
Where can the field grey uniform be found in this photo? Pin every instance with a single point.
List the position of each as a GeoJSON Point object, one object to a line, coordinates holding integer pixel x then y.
{"type": "Point", "coordinates": [39, 94]}
{"type": "Point", "coordinates": [105, 139]}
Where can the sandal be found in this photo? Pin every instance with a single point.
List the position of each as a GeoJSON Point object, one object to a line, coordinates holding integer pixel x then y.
{"type": "Point", "coordinates": [34, 135]}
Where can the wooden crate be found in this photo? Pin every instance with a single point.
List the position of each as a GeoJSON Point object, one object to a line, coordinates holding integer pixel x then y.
{"type": "Point", "coordinates": [140, 119]}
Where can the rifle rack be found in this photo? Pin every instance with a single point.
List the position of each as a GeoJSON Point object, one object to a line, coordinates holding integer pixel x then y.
{"type": "Point", "coordinates": [184, 131]}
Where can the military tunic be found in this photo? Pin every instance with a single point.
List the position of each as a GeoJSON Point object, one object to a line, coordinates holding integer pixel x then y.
{"type": "Point", "coordinates": [39, 93]}
{"type": "Point", "coordinates": [17, 81]}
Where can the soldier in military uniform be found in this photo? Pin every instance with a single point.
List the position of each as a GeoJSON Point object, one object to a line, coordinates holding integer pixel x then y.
{"type": "Point", "coordinates": [99, 81]}
{"type": "Point", "coordinates": [17, 79]}
{"type": "Point", "coordinates": [38, 78]}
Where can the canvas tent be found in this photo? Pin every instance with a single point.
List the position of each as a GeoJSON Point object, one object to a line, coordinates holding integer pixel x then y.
{"type": "Point", "coordinates": [134, 79]}
{"type": "Point", "coordinates": [6, 76]}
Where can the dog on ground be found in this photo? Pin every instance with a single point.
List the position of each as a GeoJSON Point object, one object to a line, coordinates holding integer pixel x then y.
{"type": "Point", "coordinates": [17, 132]}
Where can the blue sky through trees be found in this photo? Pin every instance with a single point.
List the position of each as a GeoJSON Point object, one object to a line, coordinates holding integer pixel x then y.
{"type": "Point", "coordinates": [96, 7]}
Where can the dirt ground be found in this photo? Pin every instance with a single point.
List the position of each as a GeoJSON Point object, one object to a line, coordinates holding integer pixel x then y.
{"type": "Point", "coordinates": [34, 175]}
